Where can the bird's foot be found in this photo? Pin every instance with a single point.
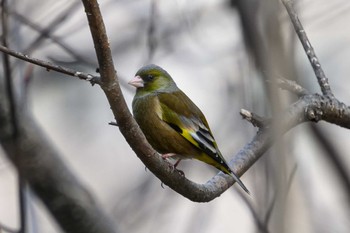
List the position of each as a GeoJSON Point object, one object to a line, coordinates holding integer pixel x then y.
{"type": "Point", "coordinates": [173, 166]}
{"type": "Point", "coordinates": [180, 171]}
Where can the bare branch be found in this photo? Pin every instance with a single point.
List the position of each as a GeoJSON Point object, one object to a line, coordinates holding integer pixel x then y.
{"type": "Point", "coordinates": [253, 118]}
{"type": "Point", "coordinates": [151, 37]}
{"type": "Point", "coordinates": [274, 199]}
{"type": "Point", "coordinates": [262, 226]}
{"type": "Point", "coordinates": [49, 29]}
{"type": "Point", "coordinates": [13, 111]}
{"type": "Point", "coordinates": [8, 72]}
{"type": "Point", "coordinates": [292, 86]}
{"type": "Point", "coordinates": [50, 66]}
{"type": "Point", "coordinates": [334, 157]}
{"type": "Point", "coordinates": [22, 186]}
{"type": "Point", "coordinates": [47, 33]}
{"type": "Point", "coordinates": [321, 77]}
{"type": "Point", "coordinates": [113, 123]}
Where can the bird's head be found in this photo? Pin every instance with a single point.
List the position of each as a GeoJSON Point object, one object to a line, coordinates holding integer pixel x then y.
{"type": "Point", "coordinates": [152, 78]}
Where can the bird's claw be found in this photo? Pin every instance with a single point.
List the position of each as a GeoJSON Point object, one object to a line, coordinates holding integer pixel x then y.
{"type": "Point", "coordinates": [173, 166]}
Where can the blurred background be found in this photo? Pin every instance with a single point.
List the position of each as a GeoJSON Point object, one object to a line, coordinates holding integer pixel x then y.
{"type": "Point", "coordinates": [221, 54]}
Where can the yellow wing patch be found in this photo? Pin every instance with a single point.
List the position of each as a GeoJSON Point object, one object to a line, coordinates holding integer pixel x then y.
{"type": "Point", "coordinates": [186, 134]}
{"type": "Point", "coordinates": [192, 127]}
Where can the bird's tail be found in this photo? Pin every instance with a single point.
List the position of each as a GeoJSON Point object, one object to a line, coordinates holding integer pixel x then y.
{"type": "Point", "coordinates": [220, 163]}
{"type": "Point", "coordinates": [225, 168]}
{"type": "Point", "coordinates": [236, 178]}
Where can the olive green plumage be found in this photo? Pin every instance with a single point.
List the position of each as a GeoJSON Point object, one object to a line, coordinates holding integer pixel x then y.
{"type": "Point", "coordinates": [171, 122]}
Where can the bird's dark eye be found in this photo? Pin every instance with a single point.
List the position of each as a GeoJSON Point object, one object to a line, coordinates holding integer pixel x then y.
{"type": "Point", "coordinates": [149, 77]}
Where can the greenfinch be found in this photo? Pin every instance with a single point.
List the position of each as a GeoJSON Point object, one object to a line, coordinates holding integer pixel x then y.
{"type": "Point", "coordinates": [172, 123]}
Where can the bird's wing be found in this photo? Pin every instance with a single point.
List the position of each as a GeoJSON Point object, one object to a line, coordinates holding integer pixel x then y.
{"type": "Point", "coordinates": [181, 114]}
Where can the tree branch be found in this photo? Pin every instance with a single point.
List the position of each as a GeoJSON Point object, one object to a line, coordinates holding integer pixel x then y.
{"type": "Point", "coordinates": [13, 111]}
{"type": "Point", "coordinates": [255, 119]}
{"type": "Point", "coordinates": [50, 66]}
{"type": "Point", "coordinates": [48, 33]}
{"type": "Point", "coordinates": [299, 29]}
{"type": "Point", "coordinates": [292, 86]}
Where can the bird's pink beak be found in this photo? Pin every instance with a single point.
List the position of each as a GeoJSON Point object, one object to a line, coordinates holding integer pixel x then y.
{"type": "Point", "coordinates": [136, 82]}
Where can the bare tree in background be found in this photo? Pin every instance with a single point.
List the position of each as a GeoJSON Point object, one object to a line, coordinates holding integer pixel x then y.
{"type": "Point", "coordinates": [269, 41]}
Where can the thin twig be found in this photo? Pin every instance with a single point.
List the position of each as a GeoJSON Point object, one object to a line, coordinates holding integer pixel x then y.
{"type": "Point", "coordinates": [334, 157]}
{"type": "Point", "coordinates": [274, 199]}
{"type": "Point", "coordinates": [320, 75]}
{"type": "Point", "coordinates": [263, 227]}
{"type": "Point", "coordinates": [49, 29]}
{"type": "Point", "coordinates": [50, 66]}
{"type": "Point", "coordinates": [22, 204]}
{"type": "Point", "coordinates": [113, 123]}
{"type": "Point", "coordinates": [253, 118]}
{"type": "Point", "coordinates": [292, 86]}
{"type": "Point", "coordinates": [8, 72]}
{"type": "Point", "coordinates": [13, 113]}
{"type": "Point", "coordinates": [48, 34]}
{"type": "Point", "coordinates": [151, 37]}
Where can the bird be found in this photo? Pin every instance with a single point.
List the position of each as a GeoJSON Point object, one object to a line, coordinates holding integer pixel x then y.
{"type": "Point", "coordinates": [172, 124]}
